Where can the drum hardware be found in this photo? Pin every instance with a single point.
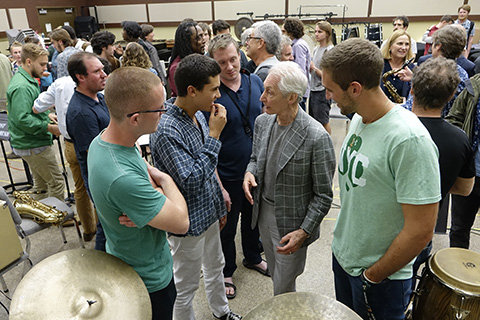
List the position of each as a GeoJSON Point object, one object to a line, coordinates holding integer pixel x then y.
{"type": "Point", "coordinates": [459, 312]}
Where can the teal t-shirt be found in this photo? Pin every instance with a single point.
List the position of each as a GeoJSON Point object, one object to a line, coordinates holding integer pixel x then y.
{"type": "Point", "coordinates": [382, 165]}
{"type": "Point", "coordinates": [119, 183]}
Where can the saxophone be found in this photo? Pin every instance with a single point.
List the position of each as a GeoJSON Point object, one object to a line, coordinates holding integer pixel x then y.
{"type": "Point", "coordinates": [39, 212]}
{"type": "Point", "coordinates": [389, 85]}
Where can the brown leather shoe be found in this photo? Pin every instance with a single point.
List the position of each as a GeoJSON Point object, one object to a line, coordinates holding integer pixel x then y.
{"type": "Point", "coordinates": [89, 236]}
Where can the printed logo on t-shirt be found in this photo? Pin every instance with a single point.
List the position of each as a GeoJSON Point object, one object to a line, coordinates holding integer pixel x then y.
{"type": "Point", "coordinates": [352, 163]}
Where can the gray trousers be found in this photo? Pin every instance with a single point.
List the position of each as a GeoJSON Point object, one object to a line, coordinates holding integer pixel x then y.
{"type": "Point", "coordinates": [284, 268]}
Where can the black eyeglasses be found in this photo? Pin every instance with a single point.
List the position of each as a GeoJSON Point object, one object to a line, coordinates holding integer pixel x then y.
{"type": "Point", "coordinates": [250, 38]}
{"type": "Point", "coordinates": [146, 111]}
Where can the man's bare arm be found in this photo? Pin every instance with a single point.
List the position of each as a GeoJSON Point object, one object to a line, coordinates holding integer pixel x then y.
{"type": "Point", "coordinates": [173, 217]}
{"type": "Point", "coordinates": [415, 235]}
{"type": "Point", "coordinates": [463, 186]}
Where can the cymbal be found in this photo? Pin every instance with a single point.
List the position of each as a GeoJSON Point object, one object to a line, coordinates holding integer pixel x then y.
{"type": "Point", "coordinates": [81, 284]}
{"type": "Point", "coordinates": [301, 305]}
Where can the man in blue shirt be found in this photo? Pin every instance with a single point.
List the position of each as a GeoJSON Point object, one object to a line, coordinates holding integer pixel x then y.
{"type": "Point", "coordinates": [186, 147]}
{"type": "Point", "coordinates": [87, 113]}
{"type": "Point", "coordinates": [241, 93]}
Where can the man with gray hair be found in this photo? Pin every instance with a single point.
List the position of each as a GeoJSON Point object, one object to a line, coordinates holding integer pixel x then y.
{"type": "Point", "coordinates": [291, 168]}
{"type": "Point", "coordinates": [262, 45]}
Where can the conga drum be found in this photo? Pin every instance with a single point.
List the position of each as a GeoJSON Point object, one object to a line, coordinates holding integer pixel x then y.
{"type": "Point", "coordinates": [449, 287]}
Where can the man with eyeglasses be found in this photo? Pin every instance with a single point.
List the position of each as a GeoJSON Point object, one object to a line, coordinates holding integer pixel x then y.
{"type": "Point", "coordinates": [262, 46]}
{"type": "Point", "coordinates": [136, 203]}
{"type": "Point", "coordinates": [87, 114]}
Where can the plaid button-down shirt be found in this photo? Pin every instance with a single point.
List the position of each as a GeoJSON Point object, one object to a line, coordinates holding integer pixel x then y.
{"type": "Point", "coordinates": [189, 155]}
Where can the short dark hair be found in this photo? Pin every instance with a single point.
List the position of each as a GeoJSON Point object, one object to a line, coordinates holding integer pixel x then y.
{"type": "Point", "coordinates": [100, 40]}
{"type": "Point", "coordinates": [146, 30]}
{"type": "Point", "coordinates": [219, 25]}
{"type": "Point", "coordinates": [133, 29]}
{"type": "Point", "coordinates": [354, 60]}
{"type": "Point", "coordinates": [195, 70]}
{"type": "Point", "coordinates": [434, 82]}
{"type": "Point", "coordinates": [294, 26]}
{"type": "Point", "coordinates": [404, 19]}
{"type": "Point", "coordinates": [447, 18]}
{"type": "Point", "coordinates": [70, 31]}
{"type": "Point", "coordinates": [76, 64]}
{"type": "Point", "coordinates": [453, 39]}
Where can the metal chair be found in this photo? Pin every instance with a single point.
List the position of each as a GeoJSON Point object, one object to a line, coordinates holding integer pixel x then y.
{"type": "Point", "coordinates": [26, 227]}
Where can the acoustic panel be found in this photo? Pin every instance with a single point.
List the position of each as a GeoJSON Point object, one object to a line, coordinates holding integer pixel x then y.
{"type": "Point", "coordinates": [177, 11]}
{"type": "Point", "coordinates": [19, 18]}
{"type": "Point", "coordinates": [416, 8]}
{"type": "Point", "coordinates": [3, 20]}
{"type": "Point", "coordinates": [119, 13]}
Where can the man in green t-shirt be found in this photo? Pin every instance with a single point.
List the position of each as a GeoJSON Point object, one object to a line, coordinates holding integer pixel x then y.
{"type": "Point", "coordinates": [389, 186]}
{"type": "Point", "coordinates": [136, 203]}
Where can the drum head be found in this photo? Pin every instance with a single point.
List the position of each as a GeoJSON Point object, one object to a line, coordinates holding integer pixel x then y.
{"type": "Point", "coordinates": [301, 305]}
{"type": "Point", "coordinates": [458, 268]}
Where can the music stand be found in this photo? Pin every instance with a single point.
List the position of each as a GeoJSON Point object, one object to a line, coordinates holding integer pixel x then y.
{"type": "Point", "coordinates": [5, 136]}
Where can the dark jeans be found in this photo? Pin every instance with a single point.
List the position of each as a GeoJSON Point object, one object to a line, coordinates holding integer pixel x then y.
{"type": "Point", "coordinates": [303, 103]}
{"type": "Point", "coordinates": [464, 210]}
{"type": "Point", "coordinates": [250, 236]}
{"type": "Point", "coordinates": [163, 301]}
{"type": "Point", "coordinates": [100, 239]}
{"type": "Point", "coordinates": [388, 299]}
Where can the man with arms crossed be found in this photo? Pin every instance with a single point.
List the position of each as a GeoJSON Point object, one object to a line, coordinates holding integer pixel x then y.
{"type": "Point", "coordinates": [292, 166]}
{"type": "Point", "coordinates": [123, 185]}
{"type": "Point", "coordinates": [389, 206]}
{"type": "Point", "coordinates": [186, 147]}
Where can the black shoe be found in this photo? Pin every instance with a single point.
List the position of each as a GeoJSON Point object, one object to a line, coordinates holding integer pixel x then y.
{"type": "Point", "coordinates": [254, 267]}
{"type": "Point", "coordinates": [229, 316]}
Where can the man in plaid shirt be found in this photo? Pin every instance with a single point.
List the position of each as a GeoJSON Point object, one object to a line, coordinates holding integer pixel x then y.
{"type": "Point", "coordinates": [186, 148]}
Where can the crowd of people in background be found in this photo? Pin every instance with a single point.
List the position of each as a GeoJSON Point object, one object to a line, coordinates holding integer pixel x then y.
{"type": "Point", "coordinates": [245, 135]}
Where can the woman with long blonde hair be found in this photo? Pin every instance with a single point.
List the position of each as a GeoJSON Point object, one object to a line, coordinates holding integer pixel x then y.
{"type": "Point", "coordinates": [395, 53]}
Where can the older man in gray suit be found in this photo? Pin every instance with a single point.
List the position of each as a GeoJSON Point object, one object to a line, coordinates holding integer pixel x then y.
{"type": "Point", "coordinates": [291, 168]}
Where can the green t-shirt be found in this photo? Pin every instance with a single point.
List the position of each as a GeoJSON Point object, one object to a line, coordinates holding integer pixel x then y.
{"type": "Point", "coordinates": [119, 183]}
{"type": "Point", "coordinates": [393, 161]}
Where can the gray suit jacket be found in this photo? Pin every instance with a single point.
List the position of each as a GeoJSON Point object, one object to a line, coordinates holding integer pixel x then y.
{"type": "Point", "coordinates": [303, 188]}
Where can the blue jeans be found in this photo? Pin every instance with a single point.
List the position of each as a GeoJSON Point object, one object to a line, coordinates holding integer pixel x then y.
{"type": "Point", "coordinates": [388, 299]}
